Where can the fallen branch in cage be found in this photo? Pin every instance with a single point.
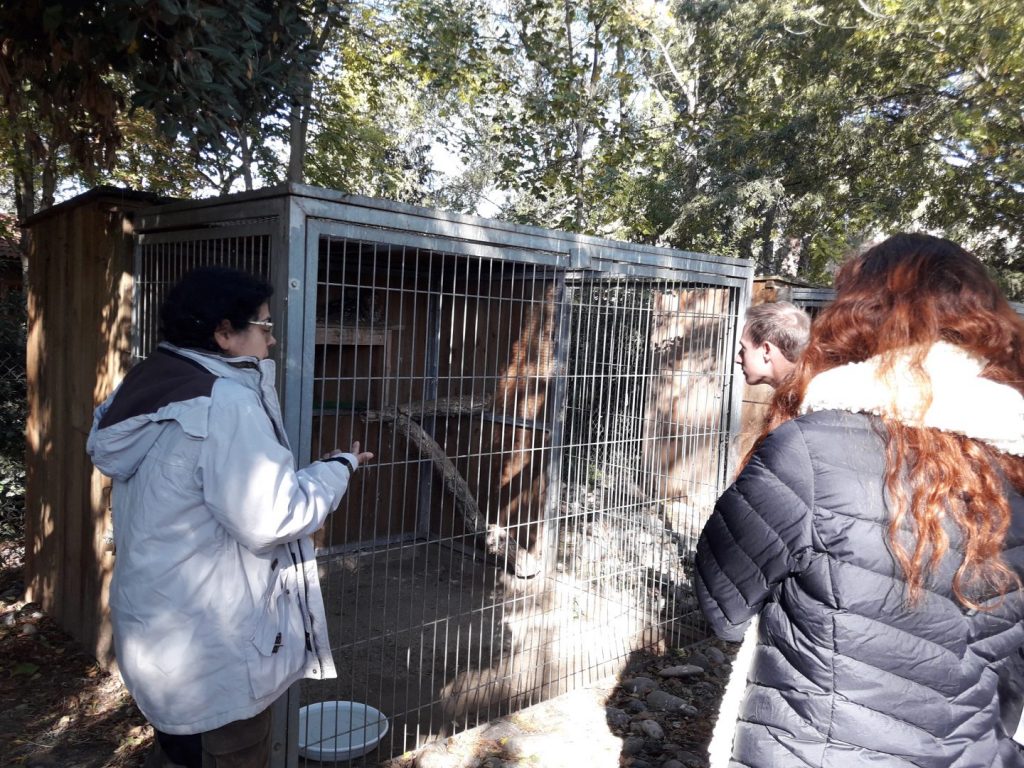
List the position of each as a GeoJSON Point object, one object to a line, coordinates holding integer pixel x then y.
{"type": "Point", "coordinates": [496, 539]}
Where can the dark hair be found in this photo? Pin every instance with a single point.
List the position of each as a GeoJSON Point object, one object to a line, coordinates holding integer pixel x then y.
{"type": "Point", "coordinates": [196, 306]}
{"type": "Point", "coordinates": [780, 323]}
{"type": "Point", "coordinates": [900, 297]}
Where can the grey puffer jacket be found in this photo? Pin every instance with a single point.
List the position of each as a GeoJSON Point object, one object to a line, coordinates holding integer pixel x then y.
{"type": "Point", "coordinates": [845, 674]}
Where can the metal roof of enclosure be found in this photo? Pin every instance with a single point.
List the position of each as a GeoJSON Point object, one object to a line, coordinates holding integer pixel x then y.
{"type": "Point", "coordinates": [551, 415]}
{"type": "Point", "coordinates": [815, 299]}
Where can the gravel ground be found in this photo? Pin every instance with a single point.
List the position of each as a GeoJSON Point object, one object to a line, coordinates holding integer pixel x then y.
{"type": "Point", "coordinates": [660, 714]}
{"type": "Point", "coordinates": [58, 708]}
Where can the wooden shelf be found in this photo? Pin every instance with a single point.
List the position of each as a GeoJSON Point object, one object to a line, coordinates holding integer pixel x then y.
{"type": "Point", "coordinates": [358, 336]}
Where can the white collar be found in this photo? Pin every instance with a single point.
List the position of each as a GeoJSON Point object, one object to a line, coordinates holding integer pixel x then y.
{"type": "Point", "coordinates": [962, 401]}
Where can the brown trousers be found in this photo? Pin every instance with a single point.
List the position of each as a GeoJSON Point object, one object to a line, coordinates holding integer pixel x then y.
{"type": "Point", "coordinates": [241, 744]}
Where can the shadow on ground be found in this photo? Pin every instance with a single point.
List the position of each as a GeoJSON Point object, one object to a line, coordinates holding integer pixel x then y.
{"type": "Point", "coordinates": [659, 713]}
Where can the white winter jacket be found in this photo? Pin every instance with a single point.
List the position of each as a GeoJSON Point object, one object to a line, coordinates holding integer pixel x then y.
{"type": "Point", "coordinates": [215, 597]}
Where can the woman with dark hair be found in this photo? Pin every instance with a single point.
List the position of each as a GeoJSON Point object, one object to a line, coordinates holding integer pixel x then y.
{"type": "Point", "coordinates": [877, 527]}
{"type": "Point", "coordinates": [215, 598]}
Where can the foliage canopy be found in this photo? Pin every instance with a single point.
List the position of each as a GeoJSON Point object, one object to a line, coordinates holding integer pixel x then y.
{"type": "Point", "coordinates": [203, 70]}
{"type": "Point", "coordinates": [786, 131]}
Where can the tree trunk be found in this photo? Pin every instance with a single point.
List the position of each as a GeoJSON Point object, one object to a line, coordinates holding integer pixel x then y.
{"type": "Point", "coordinates": [246, 150]}
{"type": "Point", "coordinates": [621, 94]}
{"type": "Point", "coordinates": [49, 185]}
{"type": "Point", "coordinates": [301, 110]}
{"type": "Point", "coordinates": [768, 251]}
{"type": "Point", "coordinates": [577, 128]}
{"type": "Point", "coordinates": [24, 182]}
{"type": "Point", "coordinates": [298, 119]}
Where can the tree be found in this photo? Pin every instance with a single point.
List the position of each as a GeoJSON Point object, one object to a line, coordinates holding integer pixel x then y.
{"type": "Point", "coordinates": [785, 131]}
{"type": "Point", "coordinates": [370, 127]}
{"type": "Point", "coordinates": [555, 97]}
{"type": "Point", "coordinates": [209, 74]}
{"type": "Point", "coordinates": [820, 124]}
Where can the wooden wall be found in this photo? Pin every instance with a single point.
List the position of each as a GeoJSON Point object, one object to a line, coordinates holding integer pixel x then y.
{"type": "Point", "coordinates": [79, 317]}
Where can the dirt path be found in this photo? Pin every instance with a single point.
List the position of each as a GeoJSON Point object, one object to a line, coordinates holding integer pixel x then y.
{"type": "Point", "coordinates": [660, 714]}
{"type": "Point", "coordinates": [58, 708]}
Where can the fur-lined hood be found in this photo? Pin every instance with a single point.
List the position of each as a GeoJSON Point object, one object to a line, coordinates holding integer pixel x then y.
{"type": "Point", "coordinates": [962, 401]}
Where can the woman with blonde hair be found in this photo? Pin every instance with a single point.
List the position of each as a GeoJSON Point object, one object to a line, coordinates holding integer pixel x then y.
{"type": "Point", "coordinates": [877, 528]}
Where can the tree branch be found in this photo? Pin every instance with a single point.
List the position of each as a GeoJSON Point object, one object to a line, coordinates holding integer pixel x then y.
{"type": "Point", "coordinates": [496, 539]}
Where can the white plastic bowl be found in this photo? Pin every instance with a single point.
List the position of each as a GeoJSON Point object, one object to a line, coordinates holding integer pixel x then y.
{"type": "Point", "coordinates": [338, 730]}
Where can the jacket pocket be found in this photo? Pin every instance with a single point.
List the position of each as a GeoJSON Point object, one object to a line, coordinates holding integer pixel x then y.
{"type": "Point", "coordinates": [276, 653]}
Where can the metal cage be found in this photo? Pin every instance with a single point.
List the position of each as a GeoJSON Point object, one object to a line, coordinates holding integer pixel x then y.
{"type": "Point", "coordinates": [551, 415]}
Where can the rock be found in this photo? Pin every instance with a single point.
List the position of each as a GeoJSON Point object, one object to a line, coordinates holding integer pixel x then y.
{"type": "Point", "coordinates": [715, 655]}
{"type": "Point", "coordinates": [698, 659]}
{"type": "Point", "coordinates": [640, 764]}
{"type": "Point", "coordinates": [37, 615]}
{"type": "Point", "coordinates": [684, 671]}
{"type": "Point", "coordinates": [665, 702]}
{"type": "Point", "coordinates": [690, 760]}
{"type": "Point", "coordinates": [501, 729]}
{"type": "Point", "coordinates": [652, 729]}
{"type": "Point", "coordinates": [616, 718]}
{"type": "Point", "coordinates": [706, 690]}
{"type": "Point", "coordinates": [639, 685]}
{"type": "Point", "coordinates": [632, 745]}
{"type": "Point", "coordinates": [438, 756]}
{"type": "Point", "coordinates": [672, 764]}
{"type": "Point", "coordinates": [635, 705]}
{"type": "Point", "coordinates": [29, 629]}
{"type": "Point", "coordinates": [10, 619]}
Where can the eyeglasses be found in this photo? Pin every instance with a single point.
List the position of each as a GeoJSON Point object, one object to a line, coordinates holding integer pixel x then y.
{"type": "Point", "coordinates": [267, 325]}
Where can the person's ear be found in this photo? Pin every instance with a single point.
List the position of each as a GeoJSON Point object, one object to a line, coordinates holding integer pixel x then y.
{"type": "Point", "coordinates": [766, 350]}
{"type": "Point", "coordinates": [222, 335]}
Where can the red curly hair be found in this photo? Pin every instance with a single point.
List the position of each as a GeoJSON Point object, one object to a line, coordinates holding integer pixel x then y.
{"type": "Point", "coordinates": [898, 298]}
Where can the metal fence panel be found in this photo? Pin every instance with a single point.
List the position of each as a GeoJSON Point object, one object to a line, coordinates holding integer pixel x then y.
{"type": "Point", "coordinates": [548, 442]}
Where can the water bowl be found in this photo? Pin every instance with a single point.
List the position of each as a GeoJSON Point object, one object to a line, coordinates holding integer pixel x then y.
{"type": "Point", "coordinates": [338, 730]}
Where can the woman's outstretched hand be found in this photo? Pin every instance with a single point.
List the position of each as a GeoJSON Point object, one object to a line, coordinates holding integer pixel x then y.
{"type": "Point", "coordinates": [362, 458]}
